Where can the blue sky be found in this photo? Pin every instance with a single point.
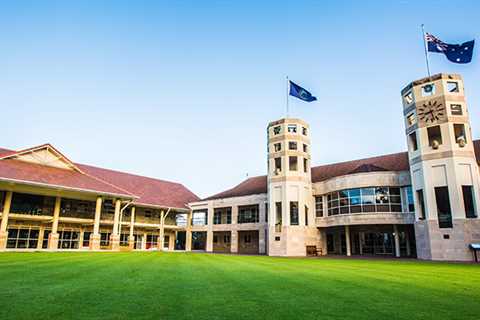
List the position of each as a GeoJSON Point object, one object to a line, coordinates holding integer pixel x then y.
{"type": "Point", "coordinates": [184, 90]}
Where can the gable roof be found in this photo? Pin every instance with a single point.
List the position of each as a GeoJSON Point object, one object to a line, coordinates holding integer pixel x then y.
{"type": "Point", "coordinates": [390, 162]}
{"type": "Point", "coordinates": [144, 190]}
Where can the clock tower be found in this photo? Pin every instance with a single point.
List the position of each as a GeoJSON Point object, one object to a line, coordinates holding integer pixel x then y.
{"type": "Point", "coordinates": [443, 167]}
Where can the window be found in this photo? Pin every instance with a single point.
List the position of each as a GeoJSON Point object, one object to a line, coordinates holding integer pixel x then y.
{"type": "Point", "coordinates": [226, 238]}
{"type": "Point", "coordinates": [181, 219]}
{"type": "Point", "coordinates": [293, 163]}
{"type": "Point", "coordinates": [199, 217]}
{"type": "Point", "coordinates": [372, 199]}
{"type": "Point", "coordinates": [77, 208]}
{"type": "Point", "coordinates": [266, 212]}
{"type": "Point", "coordinates": [460, 136]}
{"type": "Point", "coordinates": [443, 207]}
{"type": "Point", "coordinates": [452, 86]}
{"type": "Point", "coordinates": [278, 165]}
{"type": "Point", "coordinates": [68, 239]}
{"type": "Point", "coordinates": [411, 119]}
{"type": "Point", "coordinates": [123, 240]}
{"type": "Point", "coordinates": [30, 204]}
{"type": "Point", "coordinates": [305, 148]}
{"type": "Point", "coordinates": [247, 238]}
{"type": "Point", "coordinates": [306, 215]}
{"type": "Point", "coordinates": [277, 147]}
{"type": "Point", "coordinates": [428, 90]}
{"type": "Point", "coordinates": [292, 128]}
{"type": "Point", "coordinates": [410, 202]}
{"type": "Point", "coordinates": [421, 205]}
{"type": "Point", "coordinates": [86, 239]}
{"type": "Point", "coordinates": [152, 241]}
{"type": "Point", "coordinates": [468, 202]}
{"type": "Point", "coordinates": [46, 235]}
{"type": "Point", "coordinates": [305, 165]}
{"type": "Point", "coordinates": [292, 145]}
{"type": "Point", "coordinates": [104, 239]}
{"type": "Point", "coordinates": [293, 213]}
{"type": "Point", "coordinates": [248, 214]}
{"type": "Point", "coordinates": [22, 238]}
{"type": "Point", "coordinates": [456, 109]}
{"type": "Point", "coordinates": [215, 239]}
{"type": "Point", "coordinates": [319, 206]}
{"type": "Point", "coordinates": [408, 97]}
{"type": "Point", "coordinates": [434, 136]}
{"type": "Point", "coordinates": [277, 130]}
{"type": "Point", "coordinates": [304, 131]}
{"type": "Point", "coordinates": [222, 215]}
{"type": "Point", "coordinates": [278, 213]}
{"type": "Point", "coordinates": [412, 137]}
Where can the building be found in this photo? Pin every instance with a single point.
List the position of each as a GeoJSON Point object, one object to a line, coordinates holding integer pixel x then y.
{"type": "Point", "coordinates": [420, 203]}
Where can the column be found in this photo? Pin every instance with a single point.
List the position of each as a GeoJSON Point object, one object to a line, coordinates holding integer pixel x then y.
{"type": "Point", "coordinates": [41, 233]}
{"type": "Point", "coordinates": [4, 223]}
{"type": "Point", "coordinates": [407, 239]}
{"type": "Point", "coordinates": [95, 235]}
{"type": "Point", "coordinates": [261, 240]}
{"type": "Point", "coordinates": [361, 240]}
{"type": "Point", "coordinates": [115, 237]}
{"type": "Point", "coordinates": [209, 247]}
{"type": "Point", "coordinates": [397, 241]}
{"type": "Point", "coordinates": [234, 241]}
{"type": "Point", "coordinates": [188, 238]}
{"type": "Point", "coordinates": [53, 236]}
{"type": "Point", "coordinates": [171, 241]}
{"type": "Point", "coordinates": [347, 240]}
{"type": "Point", "coordinates": [131, 237]}
{"type": "Point", "coordinates": [80, 239]}
{"type": "Point", "coordinates": [161, 234]}
{"type": "Point", "coordinates": [144, 241]}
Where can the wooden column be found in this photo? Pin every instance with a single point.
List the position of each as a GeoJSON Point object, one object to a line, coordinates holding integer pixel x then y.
{"type": "Point", "coordinates": [188, 233]}
{"type": "Point", "coordinates": [161, 233]}
{"type": "Point", "coordinates": [53, 236]}
{"type": "Point", "coordinates": [3, 225]}
{"type": "Point", "coordinates": [115, 237]}
{"type": "Point", "coordinates": [95, 235]}
{"type": "Point", "coordinates": [131, 237]}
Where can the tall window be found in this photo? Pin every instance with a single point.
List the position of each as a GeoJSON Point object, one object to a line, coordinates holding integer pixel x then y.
{"type": "Point", "coordinates": [199, 217]}
{"type": "Point", "coordinates": [304, 131]}
{"type": "Point", "coordinates": [460, 136]}
{"type": "Point", "coordinates": [468, 201]}
{"type": "Point", "coordinates": [266, 212]}
{"type": "Point", "coordinates": [278, 213]}
{"type": "Point", "coordinates": [278, 164]}
{"type": "Point", "coordinates": [410, 202]}
{"type": "Point", "coordinates": [293, 163]}
{"type": "Point", "coordinates": [305, 165]}
{"type": "Point", "coordinates": [248, 214]}
{"type": "Point", "coordinates": [434, 136]}
{"type": "Point", "coordinates": [319, 206]}
{"type": "Point", "coordinates": [413, 141]}
{"type": "Point", "coordinates": [294, 213]}
{"type": "Point", "coordinates": [421, 204]}
{"type": "Point", "coordinates": [443, 207]}
{"type": "Point", "coordinates": [306, 215]}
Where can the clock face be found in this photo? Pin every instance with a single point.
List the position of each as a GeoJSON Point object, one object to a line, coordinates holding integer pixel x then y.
{"type": "Point", "coordinates": [431, 112]}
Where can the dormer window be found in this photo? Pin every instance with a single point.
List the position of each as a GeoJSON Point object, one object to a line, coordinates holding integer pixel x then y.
{"type": "Point", "coordinates": [428, 90]}
{"type": "Point", "coordinates": [277, 147]}
{"type": "Point", "coordinates": [292, 128]}
{"type": "Point", "coordinates": [452, 86]}
{"type": "Point", "coordinates": [408, 97]}
{"type": "Point", "coordinates": [276, 130]}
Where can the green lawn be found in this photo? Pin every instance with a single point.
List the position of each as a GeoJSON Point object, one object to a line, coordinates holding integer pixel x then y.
{"type": "Point", "coordinates": [203, 286]}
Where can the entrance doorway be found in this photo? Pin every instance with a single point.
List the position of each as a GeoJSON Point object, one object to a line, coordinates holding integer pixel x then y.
{"type": "Point", "coordinates": [180, 240]}
{"type": "Point", "coordinates": [199, 240]}
{"type": "Point", "coordinates": [248, 242]}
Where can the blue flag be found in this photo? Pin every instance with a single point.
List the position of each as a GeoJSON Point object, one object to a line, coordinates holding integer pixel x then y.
{"type": "Point", "coordinates": [458, 53]}
{"type": "Point", "coordinates": [300, 93]}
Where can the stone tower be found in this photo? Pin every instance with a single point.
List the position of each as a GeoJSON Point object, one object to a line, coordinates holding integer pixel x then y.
{"type": "Point", "coordinates": [291, 222]}
{"type": "Point", "coordinates": [444, 171]}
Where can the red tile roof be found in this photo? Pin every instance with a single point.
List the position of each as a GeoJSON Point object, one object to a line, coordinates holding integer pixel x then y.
{"type": "Point", "coordinates": [389, 162]}
{"type": "Point", "coordinates": [147, 191]}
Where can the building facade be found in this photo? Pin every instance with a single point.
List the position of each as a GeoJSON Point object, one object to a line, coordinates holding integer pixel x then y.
{"type": "Point", "coordinates": [420, 203]}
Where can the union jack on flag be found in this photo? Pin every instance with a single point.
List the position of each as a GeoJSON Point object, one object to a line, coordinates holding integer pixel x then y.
{"type": "Point", "coordinates": [458, 53]}
{"type": "Point", "coordinates": [435, 42]}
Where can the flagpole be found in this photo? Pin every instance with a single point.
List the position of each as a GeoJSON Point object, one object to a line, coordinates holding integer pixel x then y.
{"type": "Point", "coordinates": [287, 93]}
{"type": "Point", "coordinates": [426, 50]}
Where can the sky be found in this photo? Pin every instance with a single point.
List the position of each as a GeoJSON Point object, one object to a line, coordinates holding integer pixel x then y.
{"type": "Point", "coordinates": [184, 90]}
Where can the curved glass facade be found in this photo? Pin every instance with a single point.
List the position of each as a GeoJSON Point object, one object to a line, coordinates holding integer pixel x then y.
{"type": "Point", "coordinates": [358, 200]}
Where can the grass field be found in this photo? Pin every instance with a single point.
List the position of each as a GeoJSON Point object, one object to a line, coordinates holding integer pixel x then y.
{"type": "Point", "coordinates": [204, 286]}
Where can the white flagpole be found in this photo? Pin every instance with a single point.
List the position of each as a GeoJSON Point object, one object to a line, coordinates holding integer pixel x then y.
{"type": "Point", "coordinates": [426, 49]}
{"type": "Point", "coordinates": [288, 93]}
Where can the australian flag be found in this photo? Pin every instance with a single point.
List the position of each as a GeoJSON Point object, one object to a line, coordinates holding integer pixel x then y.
{"type": "Point", "coordinates": [300, 93]}
{"type": "Point", "coordinates": [458, 53]}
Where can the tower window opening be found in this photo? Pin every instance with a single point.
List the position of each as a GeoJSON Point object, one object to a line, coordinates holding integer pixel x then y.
{"type": "Point", "coordinates": [452, 86]}
{"type": "Point", "coordinates": [421, 204]}
{"type": "Point", "coordinates": [408, 97]}
{"type": "Point", "coordinates": [319, 206]}
{"type": "Point", "coordinates": [304, 131]}
{"type": "Point", "coordinates": [434, 136]}
{"type": "Point", "coordinates": [278, 213]}
{"type": "Point", "coordinates": [276, 130]}
{"type": "Point", "coordinates": [460, 136]}
{"type": "Point", "coordinates": [305, 165]}
{"type": "Point", "coordinates": [469, 202]}
{"type": "Point", "coordinates": [411, 119]}
{"type": "Point", "coordinates": [413, 141]}
{"type": "Point", "coordinates": [306, 216]}
{"type": "Point", "coordinates": [305, 148]}
{"type": "Point", "coordinates": [277, 147]}
{"type": "Point", "coordinates": [293, 163]}
{"type": "Point", "coordinates": [456, 109]}
{"type": "Point", "coordinates": [278, 165]}
{"type": "Point", "coordinates": [443, 207]}
{"type": "Point", "coordinates": [293, 213]}
{"type": "Point", "coordinates": [292, 128]}
{"type": "Point", "coordinates": [428, 90]}
{"type": "Point", "coordinates": [292, 145]}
